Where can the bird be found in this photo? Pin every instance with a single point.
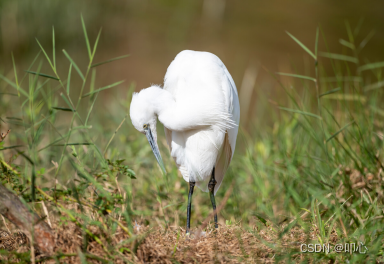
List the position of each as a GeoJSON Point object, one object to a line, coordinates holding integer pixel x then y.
{"type": "Point", "coordinates": [199, 108]}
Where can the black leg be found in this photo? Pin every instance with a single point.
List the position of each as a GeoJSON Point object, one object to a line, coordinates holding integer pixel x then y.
{"type": "Point", "coordinates": [211, 187]}
{"type": "Point", "coordinates": [191, 187]}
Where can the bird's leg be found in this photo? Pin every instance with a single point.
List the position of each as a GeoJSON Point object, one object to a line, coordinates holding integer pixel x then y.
{"type": "Point", "coordinates": [211, 187]}
{"type": "Point", "coordinates": [191, 187]}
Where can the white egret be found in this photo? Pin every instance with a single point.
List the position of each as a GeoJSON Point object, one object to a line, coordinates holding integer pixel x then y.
{"type": "Point", "coordinates": [200, 111]}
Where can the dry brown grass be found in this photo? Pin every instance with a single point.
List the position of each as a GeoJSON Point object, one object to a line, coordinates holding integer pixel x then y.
{"type": "Point", "coordinates": [227, 244]}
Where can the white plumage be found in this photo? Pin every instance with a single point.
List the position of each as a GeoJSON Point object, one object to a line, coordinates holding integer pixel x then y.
{"type": "Point", "coordinates": [203, 87]}
{"type": "Point", "coordinates": [200, 111]}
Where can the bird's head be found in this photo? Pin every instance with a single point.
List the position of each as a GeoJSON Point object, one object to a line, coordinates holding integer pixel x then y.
{"type": "Point", "coordinates": [144, 119]}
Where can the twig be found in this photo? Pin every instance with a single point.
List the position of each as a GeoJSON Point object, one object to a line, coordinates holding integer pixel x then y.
{"type": "Point", "coordinates": [5, 223]}
{"type": "Point", "coordinates": [2, 135]}
{"type": "Point", "coordinates": [46, 213]}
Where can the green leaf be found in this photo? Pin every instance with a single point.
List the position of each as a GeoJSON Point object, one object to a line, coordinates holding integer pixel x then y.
{"type": "Point", "coordinates": [64, 109]}
{"type": "Point", "coordinates": [74, 64]}
{"type": "Point", "coordinates": [104, 88]}
{"type": "Point", "coordinates": [302, 45]}
{"type": "Point", "coordinates": [338, 57]}
{"type": "Point", "coordinates": [297, 76]}
{"type": "Point", "coordinates": [86, 38]}
{"type": "Point", "coordinates": [300, 112]}
{"type": "Point", "coordinates": [43, 75]}
{"type": "Point", "coordinates": [330, 92]}
{"type": "Point", "coordinates": [371, 66]}
{"type": "Point", "coordinates": [261, 219]}
{"type": "Point", "coordinates": [107, 61]}
{"type": "Point", "coordinates": [338, 132]}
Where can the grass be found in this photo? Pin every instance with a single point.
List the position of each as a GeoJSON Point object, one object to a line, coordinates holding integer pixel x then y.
{"type": "Point", "coordinates": [313, 177]}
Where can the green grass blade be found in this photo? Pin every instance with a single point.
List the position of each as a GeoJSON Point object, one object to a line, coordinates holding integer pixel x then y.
{"type": "Point", "coordinates": [108, 61]}
{"type": "Point", "coordinates": [14, 85]}
{"type": "Point", "coordinates": [46, 55]}
{"type": "Point", "coordinates": [90, 109]}
{"type": "Point", "coordinates": [12, 147]}
{"type": "Point", "coordinates": [377, 110]}
{"type": "Point", "coordinates": [63, 137]}
{"type": "Point", "coordinates": [15, 71]}
{"type": "Point", "coordinates": [66, 101]}
{"type": "Point", "coordinates": [63, 109]}
{"type": "Point", "coordinates": [96, 43]}
{"type": "Point", "coordinates": [300, 112]}
{"type": "Point", "coordinates": [336, 56]}
{"type": "Point", "coordinates": [347, 97]}
{"type": "Point", "coordinates": [302, 45]}
{"type": "Point", "coordinates": [86, 38]}
{"type": "Point", "coordinates": [366, 39]}
{"type": "Point", "coordinates": [69, 79]}
{"type": "Point", "coordinates": [297, 76]}
{"type": "Point", "coordinates": [349, 31]}
{"type": "Point", "coordinates": [74, 144]}
{"type": "Point", "coordinates": [341, 79]}
{"type": "Point", "coordinates": [53, 47]}
{"type": "Point", "coordinates": [330, 92]}
{"type": "Point", "coordinates": [30, 66]}
{"type": "Point", "coordinates": [43, 75]}
{"type": "Point", "coordinates": [13, 118]}
{"type": "Point", "coordinates": [317, 41]}
{"type": "Point", "coordinates": [358, 26]}
{"type": "Point", "coordinates": [347, 44]}
{"type": "Point", "coordinates": [74, 65]}
{"type": "Point", "coordinates": [39, 131]}
{"type": "Point", "coordinates": [371, 66]}
{"type": "Point", "coordinates": [374, 86]}
{"type": "Point", "coordinates": [104, 88]}
{"type": "Point", "coordinates": [11, 94]}
{"type": "Point", "coordinates": [338, 132]}
{"type": "Point", "coordinates": [83, 259]}
{"type": "Point", "coordinates": [93, 80]}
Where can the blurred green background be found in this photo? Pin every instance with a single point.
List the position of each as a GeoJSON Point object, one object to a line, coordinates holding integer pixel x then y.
{"type": "Point", "coordinates": [244, 34]}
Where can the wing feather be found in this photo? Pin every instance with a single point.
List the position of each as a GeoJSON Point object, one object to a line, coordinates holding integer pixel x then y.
{"type": "Point", "coordinates": [222, 162]}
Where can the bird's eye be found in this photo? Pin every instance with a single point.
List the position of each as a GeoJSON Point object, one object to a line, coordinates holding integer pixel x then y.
{"type": "Point", "coordinates": [145, 126]}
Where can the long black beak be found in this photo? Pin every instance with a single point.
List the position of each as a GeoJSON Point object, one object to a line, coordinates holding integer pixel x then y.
{"type": "Point", "coordinates": [155, 149]}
